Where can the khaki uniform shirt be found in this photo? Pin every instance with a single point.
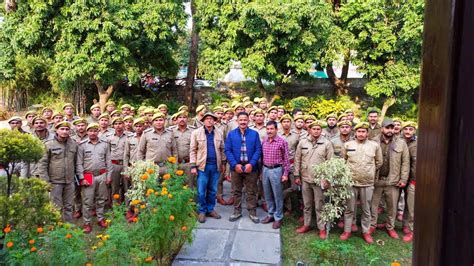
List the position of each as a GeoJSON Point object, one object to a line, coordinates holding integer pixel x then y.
{"type": "Point", "coordinates": [330, 133]}
{"type": "Point", "coordinates": [292, 139]}
{"type": "Point", "coordinates": [338, 144]}
{"type": "Point", "coordinates": [131, 149]}
{"type": "Point", "coordinates": [396, 163]}
{"type": "Point", "coordinates": [183, 142]}
{"type": "Point", "coordinates": [93, 158]}
{"type": "Point", "coordinates": [412, 147]}
{"type": "Point", "coordinates": [92, 119]}
{"type": "Point", "coordinates": [79, 139]}
{"type": "Point", "coordinates": [364, 159]}
{"type": "Point", "coordinates": [117, 146]}
{"type": "Point", "coordinates": [374, 132]}
{"type": "Point", "coordinates": [104, 134]}
{"type": "Point", "coordinates": [262, 132]}
{"type": "Point", "coordinates": [309, 153]}
{"type": "Point", "coordinates": [231, 125]}
{"type": "Point", "coordinates": [58, 163]}
{"type": "Point", "coordinates": [49, 135]}
{"type": "Point", "coordinates": [156, 146]}
{"type": "Point", "coordinates": [222, 127]}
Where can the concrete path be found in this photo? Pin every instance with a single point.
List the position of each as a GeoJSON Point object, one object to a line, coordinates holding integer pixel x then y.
{"type": "Point", "coordinates": [220, 242]}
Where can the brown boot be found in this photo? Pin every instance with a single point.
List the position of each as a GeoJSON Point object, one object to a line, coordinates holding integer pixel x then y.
{"type": "Point", "coordinates": [214, 215]}
{"type": "Point", "coordinates": [202, 217]}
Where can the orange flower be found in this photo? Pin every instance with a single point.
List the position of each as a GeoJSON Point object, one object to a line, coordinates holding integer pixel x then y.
{"type": "Point", "coordinates": [156, 193]}
{"type": "Point", "coordinates": [170, 196]}
{"type": "Point", "coordinates": [150, 171]}
{"type": "Point", "coordinates": [51, 228]}
{"type": "Point", "coordinates": [7, 229]}
{"type": "Point", "coordinates": [184, 228]}
{"type": "Point", "coordinates": [149, 259]}
{"type": "Point", "coordinates": [68, 236]}
{"type": "Point", "coordinates": [39, 230]}
{"type": "Point", "coordinates": [172, 159]}
{"type": "Point", "coordinates": [9, 244]}
{"type": "Point", "coordinates": [395, 263]}
{"type": "Point", "coordinates": [144, 177]}
{"type": "Point", "coordinates": [166, 176]}
{"type": "Point", "coordinates": [88, 264]}
{"type": "Point", "coordinates": [31, 241]}
{"type": "Point", "coordinates": [32, 249]}
{"type": "Point", "coordinates": [116, 196]}
{"type": "Point", "coordinates": [179, 172]}
{"type": "Point", "coordinates": [135, 202]}
{"type": "Point", "coordinates": [164, 192]}
{"type": "Point", "coordinates": [171, 218]}
{"type": "Point", "coordinates": [135, 219]}
{"type": "Point", "coordinates": [143, 206]}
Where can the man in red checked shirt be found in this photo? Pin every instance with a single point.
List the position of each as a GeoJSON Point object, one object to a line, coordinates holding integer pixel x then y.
{"type": "Point", "coordinates": [276, 166]}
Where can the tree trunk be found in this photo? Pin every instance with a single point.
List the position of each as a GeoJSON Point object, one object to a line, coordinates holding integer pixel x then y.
{"type": "Point", "coordinates": [104, 94]}
{"type": "Point", "coordinates": [261, 88]}
{"type": "Point", "coordinates": [193, 59]}
{"type": "Point", "coordinates": [386, 104]}
{"type": "Point", "coordinates": [339, 83]}
{"type": "Point", "coordinates": [10, 6]}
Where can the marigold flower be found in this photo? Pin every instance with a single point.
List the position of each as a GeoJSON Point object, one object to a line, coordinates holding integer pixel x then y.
{"type": "Point", "coordinates": [164, 192]}
{"type": "Point", "coordinates": [185, 187]}
{"type": "Point", "coordinates": [7, 229]}
{"type": "Point", "coordinates": [184, 228]}
{"type": "Point", "coordinates": [179, 172]}
{"type": "Point", "coordinates": [33, 249]}
{"type": "Point", "coordinates": [166, 176]}
{"type": "Point", "coordinates": [100, 244]}
{"type": "Point", "coordinates": [135, 219]}
{"type": "Point", "coordinates": [9, 244]}
{"type": "Point", "coordinates": [149, 259]}
{"type": "Point", "coordinates": [156, 193]}
{"type": "Point", "coordinates": [39, 230]}
{"type": "Point", "coordinates": [31, 241]}
{"type": "Point", "coordinates": [144, 177]}
{"type": "Point", "coordinates": [170, 196]}
{"type": "Point", "coordinates": [68, 236]}
{"type": "Point", "coordinates": [171, 218]}
{"type": "Point", "coordinates": [94, 247]}
{"type": "Point", "coordinates": [395, 263]}
{"type": "Point", "coordinates": [135, 202]}
{"type": "Point", "coordinates": [116, 196]}
{"type": "Point", "coordinates": [150, 171]}
{"type": "Point", "coordinates": [172, 159]}
{"type": "Point", "coordinates": [88, 264]}
{"type": "Point", "coordinates": [143, 206]}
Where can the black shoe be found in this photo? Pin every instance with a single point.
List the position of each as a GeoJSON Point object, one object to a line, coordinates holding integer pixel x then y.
{"type": "Point", "coordinates": [235, 216]}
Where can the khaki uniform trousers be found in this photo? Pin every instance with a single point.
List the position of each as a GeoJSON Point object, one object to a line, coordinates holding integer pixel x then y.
{"type": "Point", "coordinates": [62, 196]}
{"type": "Point", "coordinates": [391, 195]}
{"type": "Point", "coordinates": [313, 197]}
{"type": "Point", "coordinates": [77, 198]}
{"type": "Point", "coordinates": [409, 213]}
{"type": "Point", "coordinates": [249, 180]}
{"type": "Point", "coordinates": [365, 195]}
{"type": "Point", "coordinates": [95, 195]}
{"type": "Point", "coordinates": [117, 181]}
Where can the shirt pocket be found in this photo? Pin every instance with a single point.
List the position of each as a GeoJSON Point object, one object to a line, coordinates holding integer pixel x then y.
{"type": "Point", "coordinates": [57, 153]}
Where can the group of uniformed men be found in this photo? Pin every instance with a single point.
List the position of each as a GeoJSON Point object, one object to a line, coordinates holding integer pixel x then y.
{"type": "Point", "coordinates": [86, 159]}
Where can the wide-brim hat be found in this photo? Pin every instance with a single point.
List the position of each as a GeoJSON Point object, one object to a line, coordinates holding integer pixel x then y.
{"type": "Point", "coordinates": [209, 114]}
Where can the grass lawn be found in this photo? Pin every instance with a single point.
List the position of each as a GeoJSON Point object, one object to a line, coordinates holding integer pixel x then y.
{"type": "Point", "coordinates": [311, 250]}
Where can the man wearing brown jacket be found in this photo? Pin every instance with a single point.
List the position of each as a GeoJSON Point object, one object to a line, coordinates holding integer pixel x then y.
{"type": "Point", "coordinates": [393, 175]}
{"type": "Point", "coordinates": [408, 134]}
{"type": "Point", "coordinates": [364, 158]}
{"type": "Point", "coordinates": [57, 166]}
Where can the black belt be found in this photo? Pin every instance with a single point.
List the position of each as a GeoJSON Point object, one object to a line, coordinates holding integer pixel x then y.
{"type": "Point", "coordinates": [243, 163]}
{"type": "Point", "coordinates": [272, 166]}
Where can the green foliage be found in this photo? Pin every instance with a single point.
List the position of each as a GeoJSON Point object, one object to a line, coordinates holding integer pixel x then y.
{"type": "Point", "coordinates": [29, 206]}
{"type": "Point", "coordinates": [17, 147]}
{"type": "Point", "coordinates": [342, 253]}
{"type": "Point", "coordinates": [335, 172]}
{"type": "Point", "coordinates": [273, 42]}
{"type": "Point", "coordinates": [320, 106]}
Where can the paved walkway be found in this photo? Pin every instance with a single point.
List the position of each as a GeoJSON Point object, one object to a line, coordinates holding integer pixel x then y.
{"type": "Point", "coordinates": [220, 242]}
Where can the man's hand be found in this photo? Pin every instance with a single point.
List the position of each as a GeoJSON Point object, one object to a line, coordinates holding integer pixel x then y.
{"type": "Point", "coordinates": [298, 181]}
{"type": "Point", "coordinates": [126, 177]}
{"type": "Point", "coordinates": [194, 171]}
{"type": "Point", "coordinates": [85, 183]}
{"type": "Point", "coordinates": [284, 178]}
{"type": "Point", "coordinates": [238, 168]}
{"type": "Point", "coordinates": [248, 168]}
{"type": "Point", "coordinates": [325, 184]}
{"type": "Point", "coordinates": [108, 181]}
{"type": "Point", "coordinates": [222, 170]}
{"type": "Point", "coordinates": [401, 184]}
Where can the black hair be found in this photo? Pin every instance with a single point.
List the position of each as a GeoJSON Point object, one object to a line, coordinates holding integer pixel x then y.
{"type": "Point", "coordinates": [373, 111]}
{"type": "Point", "coordinates": [296, 110]}
{"type": "Point", "coordinates": [243, 113]}
{"type": "Point", "coordinates": [272, 123]}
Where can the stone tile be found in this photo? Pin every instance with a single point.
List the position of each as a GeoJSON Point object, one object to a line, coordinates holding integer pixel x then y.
{"type": "Point", "coordinates": [208, 244]}
{"type": "Point", "coordinates": [200, 263]}
{"type": "Point", "coordinates": [256, 247]}
{"type": "Point", "coordinates": [247, 264]}
{"type": "Point", "coordinates": [223, 223]}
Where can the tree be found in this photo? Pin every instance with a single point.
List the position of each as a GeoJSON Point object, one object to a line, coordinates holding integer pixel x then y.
{"type": "Point", "coordinates": [273, 42]}
{"type": "Point", "coordinates": [388, 36]}
{"type": "Point", "coordinates": [15, 148]}
{"type": "Point", "coordinates": [193, 58]}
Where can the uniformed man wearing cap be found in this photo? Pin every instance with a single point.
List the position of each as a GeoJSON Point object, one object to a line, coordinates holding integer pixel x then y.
{"type": "Point", "coordinates": [393, 175]}
{"type": "Point", "coordinates": [299, 125]}
{"type": "Point", "coordinates": [47, 113]}
{"type": "Point", "coordinates": [68, 110]}
{"type": "Point", "coordinates": [345, 134]}
{"type": "Point", "coordinates": [220, 124]}
{"type": "Point", "coordinates": [263, 104]}
{"type": "Point", "coordinates": [110, 107]}
{"type": "Point", "coordinates": [409, 135]}
{"type": "Point", "coordinates": [331, 131]}
{"type": "Point", "coordinates": [308, 119]}
{"type": "Point", "coordinates": [272, 114]}
{"type": "Point", "coordinates": [15, 123]}
{"type": "Point", "coordinates": [128, 124]}
{"type": "Point", "coordinates": [397, 126]}
{"type": "Point", "coordinates": [364, 158]}
{"type": "Point", "coordinates": [374, 126]}
{"type": "Point", "coordinates": [95, 114]}
{"type": "Point", "coordinates": [311, 151]}
{"type": "Point", "coordinates": [351, 117]}
{"type": "Point", "coordinates": [40, 129]}
{"type": "Point", "coordinates": [104, 129]}
{"type": "Point", "coordinates": [126, 109]}
{"type": "Point", "coordinates": [131, 145]}
{"type": "Point", "coordinates": [57, 118]}
{"type": "Point", "coordinates": [80, 126]}
{"type": "Point", "coordinates": [159, 144]}
{"type": "Point", "coordinates": [281, 111]}
{"type": "Point", "coordinates": [29, 121]}
{"type": "Point", "coordinates": [117, 147]}
{"type": "Point", "coordinates": [58, 167]}
{"type": "Point", "coordinates": [149, 112]}
{"type": "Point", "coordinates": [94, 171]}
{"type": "Point", "coordinates": [233, 124]}
{"type": "Point", "coordinates": [182, 136]}
{"type": "Point", "coordinates": [342, 117]}
{"type": "Point", "coordinates": [115, 114]}
{"type": "Point", "coordinates": [259, 123]}
{"type": "Point", "coordinates": [200, 111]}
{"type": "Point", "coordinates": [292, 138]}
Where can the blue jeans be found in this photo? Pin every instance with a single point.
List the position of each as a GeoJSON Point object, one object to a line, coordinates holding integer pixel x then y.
{"type": "Point", "coordinates": [273, 190]}
{"type": "Point", "coordinates": [207, 188]}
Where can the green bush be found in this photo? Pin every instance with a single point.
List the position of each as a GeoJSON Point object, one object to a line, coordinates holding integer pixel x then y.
{"type": "Point", "coordinates": [321, 106]}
